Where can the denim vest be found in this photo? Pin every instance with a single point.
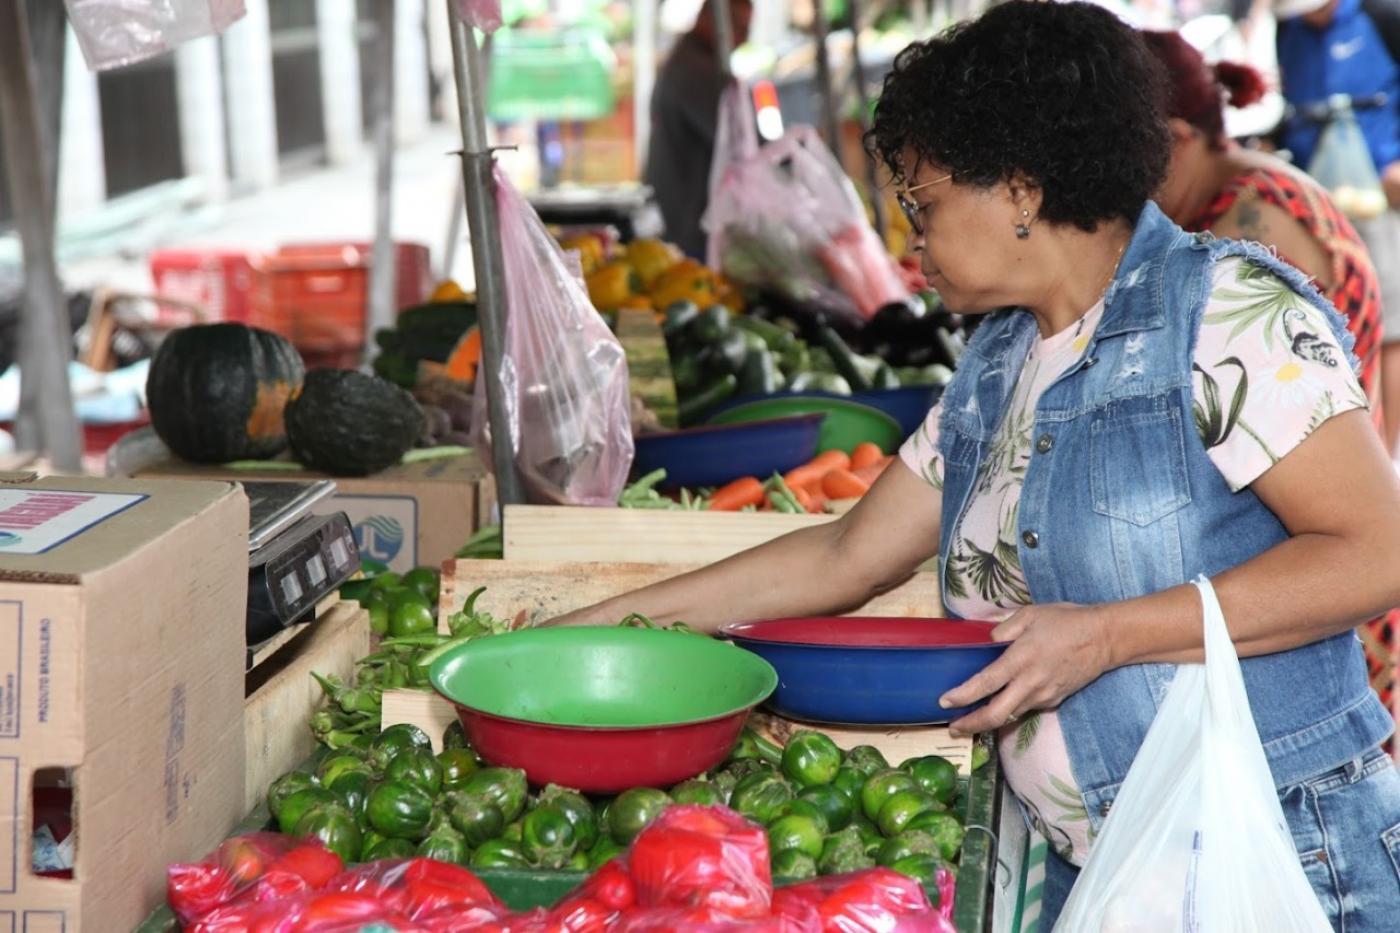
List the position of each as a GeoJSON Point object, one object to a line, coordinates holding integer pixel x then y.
{"type": "Point", "coordinates": [1120, 500]}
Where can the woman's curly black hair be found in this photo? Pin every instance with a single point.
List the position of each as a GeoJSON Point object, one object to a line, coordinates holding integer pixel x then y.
{"type": "Point", "coordinates": [1065, 94]}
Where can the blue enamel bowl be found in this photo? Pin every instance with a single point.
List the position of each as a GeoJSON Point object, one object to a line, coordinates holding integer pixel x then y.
{"type": "Point", "coordinates": [717, 454]}
{"type": "Point", "coordinates": [868, 671]}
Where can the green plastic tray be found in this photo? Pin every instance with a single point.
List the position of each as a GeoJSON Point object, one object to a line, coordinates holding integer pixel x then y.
{"type": "Point", "coordinates": [846, 424]}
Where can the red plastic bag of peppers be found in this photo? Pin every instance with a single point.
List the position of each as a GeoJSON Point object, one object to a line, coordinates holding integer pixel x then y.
{"type": "Point", "coordinates": [694, 869]}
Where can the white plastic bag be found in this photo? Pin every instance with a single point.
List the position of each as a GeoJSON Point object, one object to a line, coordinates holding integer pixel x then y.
{"type": "Point", "coordinates": [113, 33]}
{"type": "Point", "coordinates": [1342, 164]}
{"type": "Point", "coordinates": [1196, 840]}
{"type": "Point", "coordinates": [568, 402]}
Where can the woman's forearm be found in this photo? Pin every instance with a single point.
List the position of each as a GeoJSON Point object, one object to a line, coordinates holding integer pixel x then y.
{"type": "Point", "coordinates": [792, 575]}
{"type": "Point", "coordinates": [1289, 596]}
{"type": "Point", "coordinates": [826, 569]}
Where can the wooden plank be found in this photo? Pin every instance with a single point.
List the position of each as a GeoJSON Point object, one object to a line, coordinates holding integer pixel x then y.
{"type": "Point", "coordinates": [423, 708]}
{"type": "Point", "coordinates": [895, 743]}
{"type": "Point", "coordinates": [530, 592]}
{"type": "Point", "coordinates": [577, 533]}
{"type": "Point", "coordinates": [282, 696]}
{"type": "Point", "coordinates": [648, 363]}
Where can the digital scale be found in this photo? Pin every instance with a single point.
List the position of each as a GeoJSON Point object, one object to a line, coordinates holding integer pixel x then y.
{"type": "Point", "coordinates": [295, 559]}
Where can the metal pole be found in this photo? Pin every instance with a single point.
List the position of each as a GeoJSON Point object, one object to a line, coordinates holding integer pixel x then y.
{"type": "Point", "coordinates": [382, 264]}
{"type": "Point", "coordinates": [831, 125]}
{"type": "Point", "coordinates": [46, 419]}
{"type": "Point", "coordinates": [644, 76]}
{"type": "Point", "coordinates": [872, 171]}
{"type": "Point", "coordinates": [477, 163]}
{"type": "Point", "coordinates": [724, 34]}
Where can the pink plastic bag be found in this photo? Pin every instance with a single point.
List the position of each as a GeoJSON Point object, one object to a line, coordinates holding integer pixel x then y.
{"type": "Point", "coordinates": [786, 217]}
{"type": "Point", "coordinates": [568, 402]}
{"type": "Point", "coordinates": [483, 14]}
{"type": "Point", "coordinates": [113, 33]}
{"type": "Point", "coordinates": [703, 857]}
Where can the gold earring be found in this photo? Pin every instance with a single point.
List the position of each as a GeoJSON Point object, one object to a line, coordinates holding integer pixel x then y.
{"type": "Point", "coordinates": [1023, 230]}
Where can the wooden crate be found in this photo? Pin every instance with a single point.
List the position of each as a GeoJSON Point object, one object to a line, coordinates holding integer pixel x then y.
{"type": "Point", "coordinates": [281, 695]}
{"type": "Point", "coordinates": [573, 533]}
{"type": "Point", "coordinates": [530, 592]}
{"type": "Point", "coordinates": [648, 364]}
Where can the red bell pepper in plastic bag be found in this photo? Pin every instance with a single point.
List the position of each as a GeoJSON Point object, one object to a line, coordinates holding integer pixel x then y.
{"type": "Point", "coordinates": [878, 900]}
{"type": "Point", "coordinates": [597, 903]}
{"type": "Point", "coordinates": [696, 920]}
{"type": "Point", "coordinates": [416, 887]}
{"type": "Point", "coordinates": [337, 912]}
{"type": "Point", "coordinates": [694, 856]}
{"type": "Point", "coordinates": [287, 865]}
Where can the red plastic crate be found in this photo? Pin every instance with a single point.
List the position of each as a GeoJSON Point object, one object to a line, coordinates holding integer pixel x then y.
{"type": "Point", "coordinates": [316, 294]}
{"type": "Point", "coordinates": [218, 280]}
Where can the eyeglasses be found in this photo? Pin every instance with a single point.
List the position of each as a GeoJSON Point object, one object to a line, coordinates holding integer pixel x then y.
{"type": "Point", "coordinates": [912, 211]}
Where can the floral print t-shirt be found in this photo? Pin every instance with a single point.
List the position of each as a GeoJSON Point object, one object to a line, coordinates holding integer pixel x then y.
{"type": "Point", "coordinates": [1268, 372]}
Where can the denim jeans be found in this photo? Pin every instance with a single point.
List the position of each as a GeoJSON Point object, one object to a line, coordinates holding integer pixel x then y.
{"type": "Point", "coordinates": [1346, 827]}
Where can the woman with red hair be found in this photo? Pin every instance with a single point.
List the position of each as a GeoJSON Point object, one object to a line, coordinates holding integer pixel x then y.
{"type": "Point", "coordinates": [1217, 185]}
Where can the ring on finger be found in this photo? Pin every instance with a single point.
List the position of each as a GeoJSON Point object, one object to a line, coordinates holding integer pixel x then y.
{"type": "Point", "coordinates": [1011, 717]}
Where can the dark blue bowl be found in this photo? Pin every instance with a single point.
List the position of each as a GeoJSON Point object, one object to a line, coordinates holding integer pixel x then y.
{"type": "Point", "coordinates": [909, 405]}
{"type": "Point", "coordinates": [717, 454]}
{"type": "Point", "coordinates": [868, 671]}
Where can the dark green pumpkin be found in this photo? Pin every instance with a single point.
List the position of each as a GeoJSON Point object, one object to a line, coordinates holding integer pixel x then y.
{"type": "Point", "coordinates": [216, 392]}
{"type": "Point", "coordinates": [346, 423]}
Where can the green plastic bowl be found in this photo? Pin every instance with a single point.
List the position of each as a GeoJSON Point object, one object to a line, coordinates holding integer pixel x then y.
{"type": "Point", "coordinates": [603, 709]}
{"type": "Point", "coordinates": [846, 424]}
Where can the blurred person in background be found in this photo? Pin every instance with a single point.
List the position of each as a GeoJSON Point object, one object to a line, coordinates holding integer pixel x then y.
{"type": "Point", "coordinates": [684, 119]}
{"type": "Point", "coordinates": [1217, 185]}
{"type": "Point", "coordinates": [1352, 48]}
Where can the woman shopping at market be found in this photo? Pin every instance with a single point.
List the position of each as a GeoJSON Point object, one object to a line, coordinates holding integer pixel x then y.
{"type": "Point", "coordinates": [1150, 406]}
{"type": "Point", "coordinates": [1217, 185]}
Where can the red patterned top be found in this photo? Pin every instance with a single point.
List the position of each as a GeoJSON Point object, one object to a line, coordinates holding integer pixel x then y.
{"type": "Point", "coordinates": [1355, 290]}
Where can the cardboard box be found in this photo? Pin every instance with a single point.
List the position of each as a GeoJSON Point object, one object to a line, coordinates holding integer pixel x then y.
{"type": "Point", "coordinates": [406, 516]}
{"type": "Point", "coordinates": [122, 608]}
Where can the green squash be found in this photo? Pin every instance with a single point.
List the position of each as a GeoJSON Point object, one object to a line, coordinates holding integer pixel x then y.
{"type": "Point", "coordinates": [216, 392]}
{"type": "Point", "coordinates": [346, 423]}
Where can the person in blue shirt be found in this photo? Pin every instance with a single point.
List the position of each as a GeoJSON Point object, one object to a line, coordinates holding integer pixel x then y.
{"type": "Point", "coordinates": [1352, 47]}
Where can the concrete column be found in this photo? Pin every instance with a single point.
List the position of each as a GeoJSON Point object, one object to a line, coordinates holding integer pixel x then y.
{"type": "Point", "coordinates": [440, 56]}
{"type": "Point", "coordinates": [199, 87]}
{"type": "Point", "coordinates": [252, 106]}
{"type": "Point", "coordinates": [82, 175]}
{"type": "Point", "coordinates": [410, 71]}
{"type": "Point", "coordinates": [340, 79]}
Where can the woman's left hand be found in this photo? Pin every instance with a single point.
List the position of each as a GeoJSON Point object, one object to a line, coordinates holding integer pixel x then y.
{"type": "Point", "coordinates": [1055, 649]}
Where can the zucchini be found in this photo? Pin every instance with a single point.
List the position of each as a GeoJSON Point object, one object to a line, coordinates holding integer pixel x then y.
{"type": "Point", "coordinates": [693, 408]}
{"type": "Point", "coordinates": [759, 375]}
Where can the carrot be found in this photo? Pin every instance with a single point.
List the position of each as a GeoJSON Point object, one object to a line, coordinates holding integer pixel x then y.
{"type": "Point", "coordinates": [843, 484]}
{"type": "Point", "coordinates": [866, 454]}
{"type": "Point", "coordinates": [832, 460]}
{"type": "Point", "coordinates": [816, 468]}
{"type": "Point", "coordinates": [804, 475]}
{"type": "Point", "coordinates": [731, 498]}
{"type": "Point", "coordinates": [809, 501]}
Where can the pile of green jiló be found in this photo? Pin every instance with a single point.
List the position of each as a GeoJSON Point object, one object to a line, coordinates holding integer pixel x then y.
{"type": "Point", "coordinates": [825, 811]}
{"type": "Point", "coordinates": [403, 614]}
